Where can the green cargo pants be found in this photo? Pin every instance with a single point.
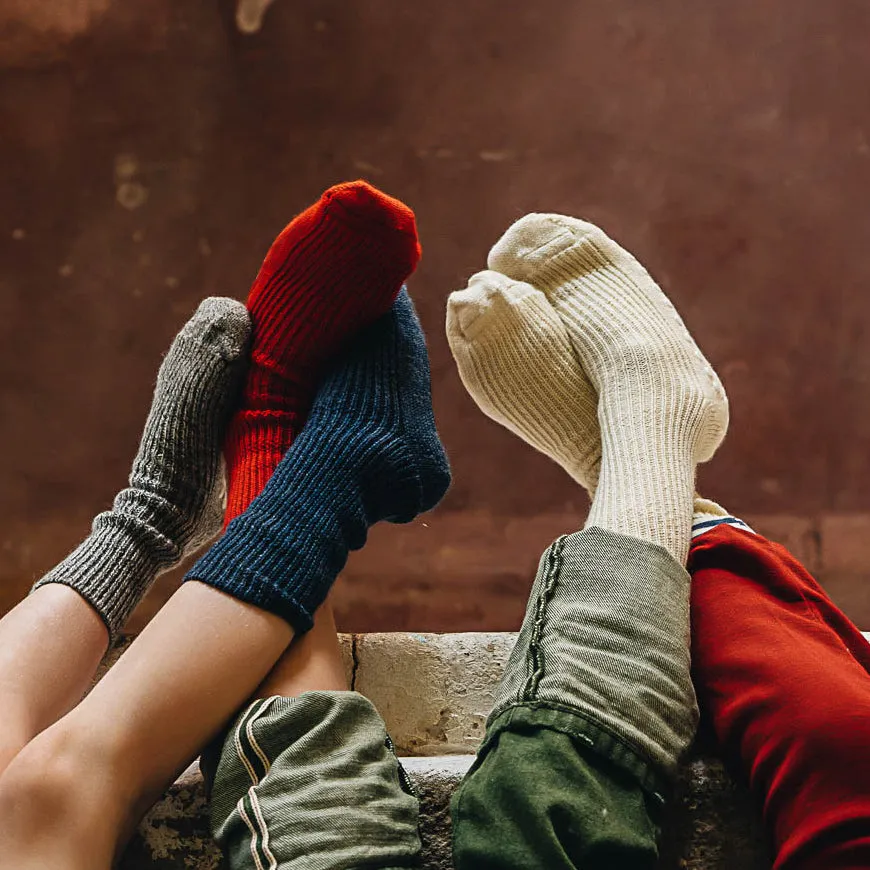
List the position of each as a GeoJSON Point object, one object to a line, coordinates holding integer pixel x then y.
{"type": "Point", "coordinates": [595, 708]}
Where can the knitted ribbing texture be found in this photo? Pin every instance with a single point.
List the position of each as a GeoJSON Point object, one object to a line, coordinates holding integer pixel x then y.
{"type": "Point", "coordinates": [661, 409]}
{"type": "Point", "coordinates": [333, 270]}
{"type": "Point", "coordinates": [369, 451]}
{"type": "Point", "coordinates": [174, 502]}
{"type": "Point", "coordinates": [517, 362]}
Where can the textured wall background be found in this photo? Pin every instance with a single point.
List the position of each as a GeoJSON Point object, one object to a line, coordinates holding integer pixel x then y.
{"type": "Point", "coordinates": [149, 152]}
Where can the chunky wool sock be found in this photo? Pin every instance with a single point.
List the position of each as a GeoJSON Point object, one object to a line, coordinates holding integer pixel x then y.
{"type": "Point", "coordinates": [333, 270]}
{"type": "Point", "coordinates": [369, 452]}
{"type": "Point", "coordinates": [661, 406]}
{"type": "Point", "coordinates": [517, 363]}
{"type": "Point", "coordinates": [175, 499]}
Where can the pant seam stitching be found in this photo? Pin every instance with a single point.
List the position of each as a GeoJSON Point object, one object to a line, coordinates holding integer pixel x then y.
{"type": "Point", "coordinates": [551, 578]}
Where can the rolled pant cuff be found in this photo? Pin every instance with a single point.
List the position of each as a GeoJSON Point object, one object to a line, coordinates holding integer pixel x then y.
{"type": "Point", "coordinates": [529, 716]}
{"type": "Point", "coordinates": [312, 782]}
{"type": "Point", "coordinates": [606, 637]}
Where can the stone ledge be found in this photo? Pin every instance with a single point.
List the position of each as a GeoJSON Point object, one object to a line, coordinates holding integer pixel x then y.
{"type": "Point", "coordinates": [712, 826]}
{"type": "Point", "coordinates": [435, 692]}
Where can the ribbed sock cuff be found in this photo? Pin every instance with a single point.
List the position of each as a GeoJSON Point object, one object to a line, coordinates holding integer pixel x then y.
{"type": "Point", "coordinates": [255, 445]}
{"type": "Point", "coordinates": [111, 569]}
{"type": "Point", "coordinates": [226, 567]}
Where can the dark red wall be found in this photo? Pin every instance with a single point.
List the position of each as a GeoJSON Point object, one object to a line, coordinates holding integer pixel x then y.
{"type": "Point", "coordinates": [149, 152]}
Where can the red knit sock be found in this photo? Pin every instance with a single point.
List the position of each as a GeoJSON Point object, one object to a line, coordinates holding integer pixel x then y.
{"type": "Point", "coordinates": [333, 270]}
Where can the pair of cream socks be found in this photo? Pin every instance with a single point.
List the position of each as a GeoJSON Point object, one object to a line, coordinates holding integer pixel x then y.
{"type": "Point", "coordinates": [568, 342]}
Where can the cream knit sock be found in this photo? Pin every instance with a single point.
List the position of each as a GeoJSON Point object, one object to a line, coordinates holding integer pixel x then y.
{"type": "Point", "coordinates": [661, 409]}
{"type": "Point", "coordinates": [517, 363]}
{"type": "Point", "coordinates": [705, 509]}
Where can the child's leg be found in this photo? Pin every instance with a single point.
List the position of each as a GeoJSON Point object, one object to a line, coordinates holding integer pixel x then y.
{"type": "Point", "coordinates": [595, 707]}
{"type": "Point", "coordinates": [171, 505]}
{"type": "Point", "coordinates": [338, 266]}
{"type": "Point", "coordinates": [42, 680]}
{"type": "Point", "coordinates": [783, 677]}
{"type": "Point", "coordinates": [596, 704]}
{"type": "Point", "coordinates": [306, 772]}
{"type": "Point", "coordinates": [69, 797]}
{"type": "Point", "coordinates": [312, 663]}
{"type": "Point", "coordinates": [370, 452]}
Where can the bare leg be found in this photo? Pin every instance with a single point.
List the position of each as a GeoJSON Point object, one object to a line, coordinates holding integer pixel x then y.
{"type": "Point", "coordinates": [52, 642]}
{"type": "Point", "coordinates": [69, 798]}
{"type": "Point", "coordinates": [312, 662]}
{"type": "Point", "coordinates": [50, 646]}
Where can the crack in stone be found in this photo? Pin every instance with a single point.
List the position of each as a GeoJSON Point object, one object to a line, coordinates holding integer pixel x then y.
{"type": "Point", "coordinates": [354, 654]}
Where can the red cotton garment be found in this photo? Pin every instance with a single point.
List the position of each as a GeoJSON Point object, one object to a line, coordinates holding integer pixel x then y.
{"type": "Point", "coordinates": [784, 678]}
{"type": "Point", "coordinates": [333, 270]}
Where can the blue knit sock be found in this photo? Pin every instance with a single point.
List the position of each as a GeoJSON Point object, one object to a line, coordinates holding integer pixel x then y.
{"type": "Point", "coordinates": [369, 452]}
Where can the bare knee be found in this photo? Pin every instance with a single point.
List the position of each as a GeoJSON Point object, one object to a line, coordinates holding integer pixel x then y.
{"type": "Point", "coordinates": [41, 775]}
{"type": "Point", "coordinates": [56, 807]}
{"type": "Point", "coordinates": [55, 778]}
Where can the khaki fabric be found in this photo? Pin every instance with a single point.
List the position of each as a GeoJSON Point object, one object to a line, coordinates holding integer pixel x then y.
{"type": "Point", "coordinates": [312, 782]}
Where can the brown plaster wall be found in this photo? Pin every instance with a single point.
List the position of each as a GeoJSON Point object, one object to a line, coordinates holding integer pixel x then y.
{"type": "Point", "coordinates": [149, 152]}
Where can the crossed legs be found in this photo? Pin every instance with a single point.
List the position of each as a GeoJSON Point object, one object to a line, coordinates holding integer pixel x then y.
{"type": "Point", "coordinates": [73, 786]}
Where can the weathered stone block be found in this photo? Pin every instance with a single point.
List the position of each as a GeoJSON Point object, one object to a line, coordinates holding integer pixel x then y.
{"type": "Point", "coordinates": [433, 690]}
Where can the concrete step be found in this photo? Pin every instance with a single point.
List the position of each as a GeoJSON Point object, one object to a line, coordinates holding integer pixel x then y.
{"type": "Point", "coordinates": [435, 692]}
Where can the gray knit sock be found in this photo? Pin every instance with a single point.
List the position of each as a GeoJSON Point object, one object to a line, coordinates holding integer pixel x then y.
{"type": "Point", "coordinates": [175, 499]}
